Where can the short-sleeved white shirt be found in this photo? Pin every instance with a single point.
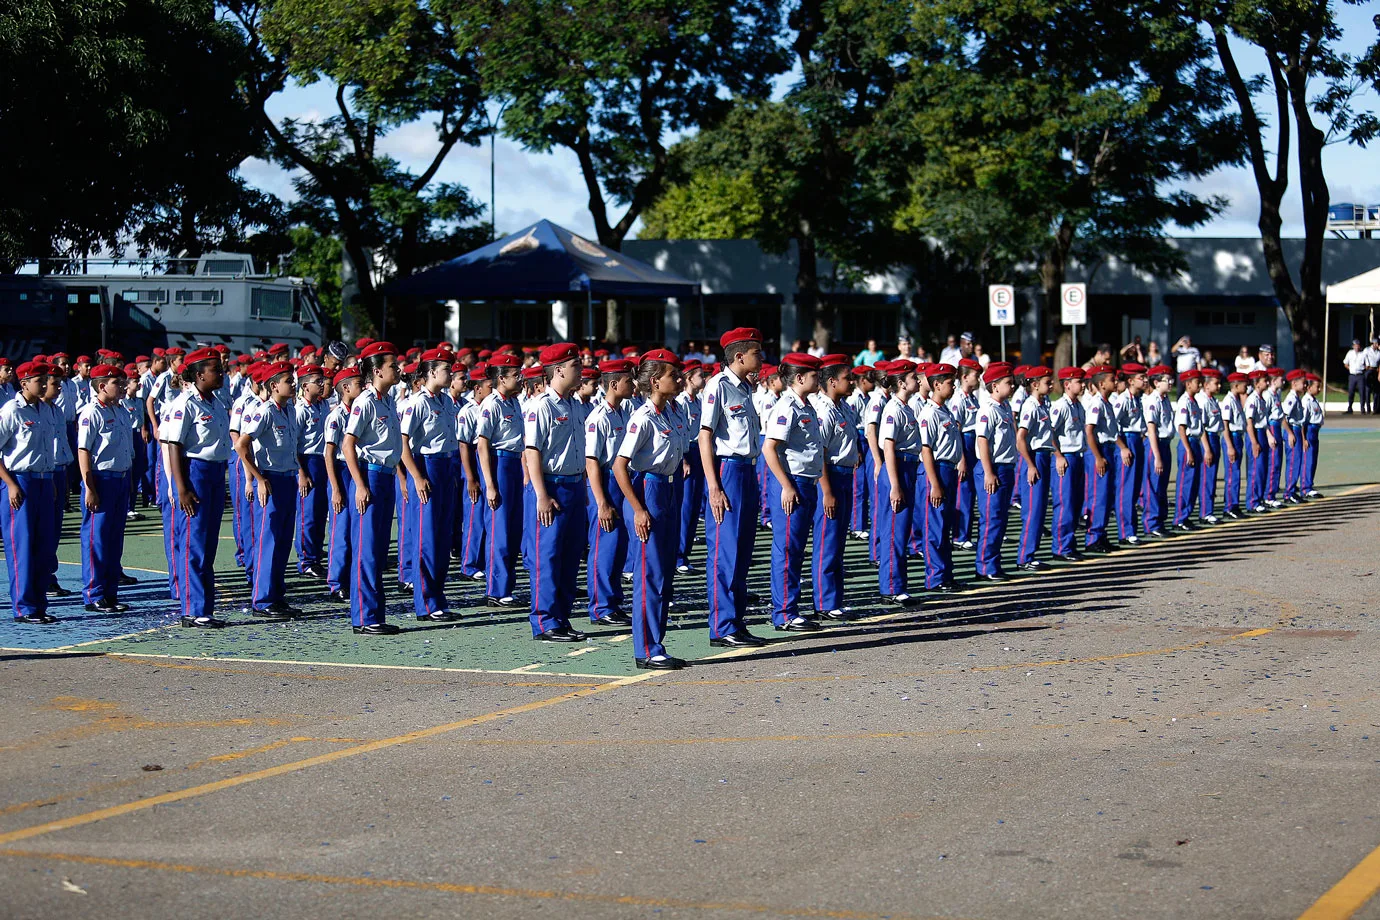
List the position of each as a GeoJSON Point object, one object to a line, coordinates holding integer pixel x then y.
{"type": "Point", "coordinates": [106, 432]}
{"type": "Point", "coordinates": [1067, 423]}
{"type": "Point", "coordinates": [1233, 415]}
{"type": "Point", "coordinates": [429, 423]}
{"type": "Point", "coordinates": [838, 427]}
{"type": "Point", "coordinates": [1102, 417]}
{"type": "Point", "coordinates": [500, 420]}
{"type": "Point", "coordinates": [941, 432]}
{"type": "Point", "coordinates": [795, 423]}
{"type": "Point", "coordinates": [605, 428]}
{"type": "Point", "coordinates": [998, 426]}
{"type": "Point", "coordinates": [1212, 413]}
{"type": "Point", "coordinates": [1035, 419]}
{"type": "Point", "coordinates": [311, 427]}
{"type": "Point", "coordinates": [552, 428]}
{"type": "Point", "coordinates": [900, 425]}
{"type": "Point", "coordinates": [656, 441]}
{"type": "Point", "coordinates": [273, 429]}
{"type": "Point", "coordinates": [1189, 414]}
{"type": "Point", "coordinates": [727, 409]}
{"type": "Point", "coordinates": [27, 432]}
{"type": "Point", "coordinates": [377, 430]}
{"type": "Point", "coordinates": [1160, 413]}
{"type": "Point", "coordinates": [201, 426]}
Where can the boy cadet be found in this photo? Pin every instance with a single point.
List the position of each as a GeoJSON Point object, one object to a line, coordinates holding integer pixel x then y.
{"type": "Point", "coordinates": [899, 435]}
{"type": "Point", "coordinates": [1034, 442]}
{"type": "Point", "coordinates": [941, 453]}
{"type": "Point", "coordinates": [839, 430]}
{"type": "Point", "coordinates": [339, 552]}
{"type": "Point", "coordinates": [105, 455]}
{"type": "Point", "coordinates": [28, 432]}
{"type": "Point", "coordinates": [863, 384]}
{"type": "Point", "coordinates": [1069, 430]}
{"type": "Point", "coordinates": [1292, 418]}
{"type": "Point", "coordinates": [605, 427]}
{"type": "Point", "coordinates": [7, 382]}
{"type": "Point", "coordinates": [1188, 419]}
{"type": "Point", "coordinates": [872, 445]}
{"type": "Point", "coordinates": [134, 408]}
{"type": "Point", "coordinates": [1159, 434]}
{"type": "Point", "coordinates": [1312, 431]}
{"type": "Point", "coordinates": [312, 410]}
{"type": "Point", "coordinates": [1233, 414]}
{"type": "Point", "coordinates": [239, 510]}
{"type": "Point", "coordinates": [63, 465]}
{"type": "Point", "coordinates": [1130, 415]}
{"type": "Point", "coordinates": [692, 494]}
{"type": "Point", "coordinates": [1212, 448]}
{"type": "Point", "coordinates": [1107, 453]}
{"type": "Point", "coordinates": [1275, 463]}
{"type": "Point", "coordinates": [429, 446]}
{"type": "Point", "coordinates": [1259, 440]}
{"type": "Point", "coordinates": [554, 501]}
{"type": "Point", "coordinates": [470, 538]}
{"type": "Point", "coordinates": [499, 438]}
{"type": "Point", "coordinates": [964, 408]}
{"type": "Point", "coordinates": [729, 444]}
{"type": "Point", "coordinates": [996, 470]}
{"type": "Point", "coordinates": [769, 389]}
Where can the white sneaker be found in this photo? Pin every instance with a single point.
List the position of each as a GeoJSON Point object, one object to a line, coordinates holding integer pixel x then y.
{"type": "Point", "coordinates": [1211, 519]}
{"type": "Point", "coordinates": [477, 576]}
{"type": "Point", "coordinates": [685, 568]}
{"type": "Point", "coordinates": [963, 544]}
{"type": "Point", "coordinates": [1132, 539]}
{"type": "Point", "coordinates": [627, 576]}
{"type": "Point", "coordinates": [1314, 493]}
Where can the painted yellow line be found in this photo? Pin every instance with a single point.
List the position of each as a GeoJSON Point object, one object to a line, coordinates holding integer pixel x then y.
{"type": "Point", "coordinates": [1350, 894]}
{"type": "Point", "coordinates": [493, 891]}
{"type": "Point", "coordinates": [102, 814]}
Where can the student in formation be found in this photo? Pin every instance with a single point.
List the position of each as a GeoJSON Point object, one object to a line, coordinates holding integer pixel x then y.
{"type": "Point", "coordinates": [63, 474]}
{"type": "Point", "coordinates": [941, 456]}
{"type": "Point", "coordinates": [692, 490]}
{"type": "Point", "coordinates": [1233, 412]}
{"type": "Point", "coordinates": [1130, 415]}
{"type": "Point", "coordinates": [964, 407]}
{"type": "Point", "coordinates": [28, 431]}
{"type": "Point", "coordinates": [794, 456]}
{"type": "Point", "coordinates": [842, 455]}
{"type": "Point", "coordinates": [605, 428]}
{"type": "Point", "coordinates": [429, 449]}
{"type": "Point", "coordinates": [1067, 422]}
{"type": "Point", "coordinates": [1313, 417]}
{"type": "Point", "coordinates": [1159, 435]}
{"type": "Point", "coordinates": [1259, 441]}
{"type": "Point", "coordinates": [1275, 463]}
{"type": "Point", "coordinates": [899, 435]}
{"type": "Point", "coordinates": [1212, 445]}
{"type": "Point", "coordinates": [239, 510]}
{"type": "Point", "coordinates": [872, 445]}
{"type": "Point", "coordinates": [996, 469]}
{"type": "Point", "coordinates": [196, 430]}
{"type": "Point", "coordinates": [1035, 444]}
{"type": "Point", "coordinates": [1107, 454]}
{"type": "Point", "coordinates": [1292, 416]}
{"type": "Point", "coordinates": [499, 440]}
{"type": "Point", "coordinates": [339, 548]}
{"type": "Point", "coordinates": [647, 468]}
{"type": "Point", "coordinates": [769, 389]}
{"type": "Point", "coordinates": [372, 448]}
{"type": "Point", "coordinates": [862, 377]}
{"type": "Point", "coordinates": [554, 499]}
{"type": "Point", "coordinates": [471, 537]}
{"type": "Point", "coordinates": [407, 540]}
{"type": "Point", "coordinates": [105, 456]}
{"type": "Point", "coordinates": [1188, 419]}
{"type": "Point", "coordinates": [729, 445]}
{"type": "Point", "coordinates": [313, 507]}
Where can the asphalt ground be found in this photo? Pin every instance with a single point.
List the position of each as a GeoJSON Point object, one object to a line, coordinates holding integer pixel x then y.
{"type": "Point", "coordinates": [1185, 729]}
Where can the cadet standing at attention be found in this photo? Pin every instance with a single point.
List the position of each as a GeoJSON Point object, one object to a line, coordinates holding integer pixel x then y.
{"type": "Point", "coordinates": [105, 455]}
{"type": "Point", "coordinates": [1188, 418]}
{"type": "Point", "coordinates": [28, 430]}
{"type": "Point", "coordinates": [1130, 415]}
{"type": "Point", "coordinates": [313, 507]}
{"type": "Point", "coordinates": [605, 428]}
{"type": "Point", "coordinates": [692, 490]}
{"type": "Point", "coordinates": [1107, 452]}
{"type": "Point", "coordinates": [1068, 426]}
{"type": "Point", "coordinates": [941, 454]}
{"type": "Point", "coordinates": [964, 407]}
{"type": "Point", "coordinates": [429, 447]}
{"type": "Point", "coordinates": [498, 436]}
{"type": "Point", "coordinates": [862, 378]}
{"type": "Point", "coordinates": [1292, 414]}
{"type": "Point", "coordinates": [1212, 446]}
{"type": "Point", "coordinates": [899, 434]}
{"type": "Point", "coordinates": [729, 444]}
{"type": "Point", "coordinates": [64, 473]}
{"type": "Point", "coordinates": [1259, 440]}
{"type": "Point", "coordinates": [1035, 443]}
{"type": "Point", "coordinates": [996, 470]}
{"type": "Point", "coordinates": [471, 538]}
{"type": "Point", "coordinates": [1234, 443]}
{"type": "Point", "coordinates": [838, 423]}
{"type": "Point", "coordinates": [340, 551]}
{"type": "Point", "coordinates": [1312, 433]}
{"type": "Point", "coordinates": [872, 445]}
{"type": "Point", "coordinates": [1159, 434]}
{"type": "Point", "coordinates": [1275, 463]}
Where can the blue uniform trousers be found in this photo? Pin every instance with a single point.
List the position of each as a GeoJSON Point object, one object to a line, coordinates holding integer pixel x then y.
{"type": "Point", "coordinates": [28, 533]}
{"type": "Point", "coordinates": [152, 450]}
{"type": "Point", "coordinates": [654, 563]}
{"type": "Point", "coordinates": [556, 551]}
{"type": "Point", "coordinates": [249, 527]}
{"type": "Point", "coordinates": [1130, 479]}
{"type": "Point", "coordinates": [1186, 480]}
{"type": "Point", "coordinates": [505, 525]}
{"type": "Point", "coordinates": [1207, 477]}
{"type": "Point", "coordinates": [103, 537]}
{"type": "Point", "coordinates": [1157, 487]}
{"type": "Point", "coordinates": [875, 474]}
{"type": "Point", "coordinates": [1311, 435]}
{"type": "Point", "coordinates": [1067, 503]}
{"type": "Point", "coordinates": [166, 502]}
{"type": "Point", "coordinates": [338, 534]}
{"type": "Point", "coordinates": [992, 512]}
{"type": "Point", "coordinates": [1293, 462]}
{"type": "Point", "coordinates": [429, 530]}
{"type": "Point", "coordinates": [967, 491]}
{"type": "Point", "coordinates": [312, 511]}
{"type": "Point", "coordinates": [59, 512]}
{"type": "Point", "coordinates": [728, 547]}
{"type": "Point", "coordinates": [893, 527]}
{"type": "Point", "coordinates": [827, 565]}
{"type": "Point", "coordinates": [197, 538]}
{"type": "Point", "coordinates": [472, 534]}
{"type": "Point", "coordinates": [1100, 491]}
{"type": "Point", "coordinates": [1257, 465]}
{"type": "Point", "coordinates": [136, 471]}
{"type": "Point", "coordinates": [608, 550]}
{"type": "Point", "coordinates": [763, 474]}
{"type": "Point", "coordinates": [1034, 506]}
{"type": "Point", "coordinates": [273, 539]}
{"type": "Point", "coordinates": [1275, 463]}
{"type": "Point", "coordinates": [691, 503]}
{"type": "Point", "coordinates": [937, 524]}
{"type": "Point", "coordinates": [237, 507]}
{"type": "Point", "coordinates": [1231, 483]}
{"type": "Point", "coordinates": [789, 534]}
{"type": "Point", "coordinates": [859, 490]}
{"type": "Point", "coordinates": [371, 532]}
{"type": "Point", "coordinates": [407, 540]}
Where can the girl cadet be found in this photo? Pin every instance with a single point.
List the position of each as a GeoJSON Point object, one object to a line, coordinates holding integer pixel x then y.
{"type": "Point", "coordinates": [1233, 443]}
{"type": "Point", "coordinates": [274, 477]}
{"type": "Point", "coordinates": [872, 446]}
{"type": "Point", "coordinates": [139, 435]}
{"type": "Point", "coordinates": [794, 457]}
{"type": "Point", "coordinates": [1188, 418]}
{"type": "Point", "coordinates": [62, 475]}
{"type": "Point", "coordinates": [239, 511]}
{"type": "Point", "coordinates": [692, 490]}
{"type": "Point", "coordinates": [650, 461]}
{"type": "Point", "coordinates": [838, 424]}
{"type": "Point", "coordinates": [554, 500]}
{"type": "Point", "coordinates": [429, 447]}
{"type": "Point", "coordinates": [1312, 431]}
{"type": "Point", "coordinates": [899, 434]}
{"type": "Point", "coordinates": [28, 430]}
{"type": "Point", "coordinates": [1259, 440]}
{"type": "Point", "coordinates": [1068, 427]}
{"type": "Point", "coordinates": [1107, 453]}
{"type": "Point", "coordinates": [1291, 411]}
{"type": "Point", "coordinates": [105, 456]}
{"type": "Point", "coordinates": [862, 481]}
{"type": "Point", "coordinates": [471, 535]}
{"type": "Point", "coordinates": [996, 477]}
{"type": "Point", "coordinates": [1034, 442]}
{"type": "Point", "coordinates": [312, 508]}
{"type": "Point", "coordinates": [372, 448]}
{"type": "Point", "coordinates": [1130, 415]}
{"type": "Point", "coordinates": [941, 452]}
{"type": "Point", "coordinates": [498, 436]}
{"type": "Point", "coordinates": [339, 553]}
{"type": "Point", "coordinates": [408, 387]}
{"type": "Point", "coordinates": [196, 430]}
{"type": "Point", "coordinates": [608, 529]}
{"type": "Point", "coordinates": [964, 408]}
{"type": "Point", "coordinates": [1159, 434]}
{"type": "Point", "coordinates": [729, 446]}
{"type": "Point", "coordinates": [1212, 446]}
{"type": "Point", "coordinates": [769, 390]}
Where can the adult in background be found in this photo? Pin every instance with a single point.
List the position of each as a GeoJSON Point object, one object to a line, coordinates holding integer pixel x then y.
{"type": "Point", "coordinates": [966, 346]}
{"type": "Point", "coordinates": [950, 353]}
{"type": "Point", "coordinates": [1244, 363]}
{"type": "Point", "coordinates": [869, 355]}
{"type": "Point", "coordinates": [905, 349]}
{"type": "Point", "coordinates": [1101, 359]}
{"type": "Point", "coordinates": [1186, 357]}
{"type": "Point", "coordinates": [1265, 358]}
{"type": "Point", "coordinates": [1372, 369]}
{"type": "Point", "coordinates": [1133, 352]}
{"type": "Point", "coordinates": [1356, 384]}
{"type": "Point", "coordinates": [1152, 354]}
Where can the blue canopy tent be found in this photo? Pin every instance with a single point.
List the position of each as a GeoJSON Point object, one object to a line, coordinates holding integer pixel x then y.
{"type": "Point", "coordinates": [542, 262]}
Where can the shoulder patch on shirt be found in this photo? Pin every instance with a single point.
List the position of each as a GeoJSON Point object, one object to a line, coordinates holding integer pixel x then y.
{"type": "Point", "coordinates": [531, 416]}
{"type": "Point", "coordinates": [591, 426]}
{"type": "Point", "coordinates": [781, 420]}
{"type": "Point", "coordinates": [632, 427]}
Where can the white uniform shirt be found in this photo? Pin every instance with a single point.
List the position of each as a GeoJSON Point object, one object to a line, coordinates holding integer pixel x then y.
{"type": "Point", "coordinates": [900, 425]}
{"type": "Point", "coordinates": [1312, 409]}
{"type": "Point", "coordinates": [62, 450]}
{"type": "Point", "coordinates": [275, 434]}
{"type": "Point", "coordinates": [201, 426]}
{"type": "Point", "coordinates": [1188, 413]}
{"type": "Point", "coordinates": [311, 426]}
{"type": "Point", "coordinates": [1291, 409]}
{"type": "Point", "coordinates": [838, 427]}
{"type": "Point", "coordinates": [1067, 420]}
{"type": "Point", "coordinates": [134, 406]}
{"type": "Point", "coordinates": [106, 432]}
{"type": "Point", "coordinates": [964, 408]}
{"type": "Point", "coordinates": [429, 423]}
{"type": "Point", "coordinates": [335, 428]}
{"type": "Point", "coordinates": [727, 410]}
{"type": "Point", "coordinates": [605, 428]}
{"type": "Point", "coordinates": [997, 424]}
{"type": "Point", "coordinates": [795, 423]}
{"type": "Point", "coordinates": [872, 414]}
{"type": "Point", "coordinates": [1130, 412]}
{"type": "Point", "coordinates": [941, 432]}
{"type": "Point", "coordinates": [689, 407]}
{"type": "Point", "coordinates": [552, 428]}
{"type": "Point", "coordinates": [1272, 406]}
{"type": "Point", "coordinates": [1233, 414]}
{"type": "Point", "coordinates": [1102, 417]}
{"type": "Point", "coordinates": [467, 422]}
{"type": "Point", "coordinates": [66, 400]}
{"type": "Point", "coordinates": [1035, 420]}
{"type": "Point", "coordinates": [500, 420]}
{"type": "Point", "coordinates": [1257, 412]}
{"type": "Point", "coordinates": [1160, 413]}
{"type": "Point", "coordinates": [377, 429]}
{"type": "Point", "coordinates": [1355, 361]}
{"type": "Point", "coordinates": [27, 432]}
{"type": "Point", "coordinates": [656, 441]}
{"type": "Point", "coordinates": [1212, 413]}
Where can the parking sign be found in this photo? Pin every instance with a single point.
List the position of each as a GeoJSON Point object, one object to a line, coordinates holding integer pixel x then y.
{"type": "Point", "coordinates": [1001, 304]}
{"type": "Point", "coordinates": [1073, 300]}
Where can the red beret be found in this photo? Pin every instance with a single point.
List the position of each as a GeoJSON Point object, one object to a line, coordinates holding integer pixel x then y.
{"type": "Point", "coordinates": [464, 351]}
{"type": "Point", "coordinates": [1314, 378]}
{"type": "Point", "coordinates": [436, 354]}
{"type": "Point", "coordinates": [1035, 373]}
{"type": "Point", "coordinates": [503, 349]}
{"type": "Point", "coordinates": [410, 369]}
{"type": "Point", "coordinates": [83, 359]}
{"type": "Point", "coordinates": [222, 348]}
{"type": "Point", "coordinates": [1019, 370]}
{"type": "Point", "coordinates": [107, 370]}
{"type": "Point", "coordinates": [173, 352]}
{"type": "Point", "coordinates": [306, 350]}
{"type": "Point", "coordinates": [1070, 373]}
{"type": "Point", "coordinates": [1130, 369]}
{"type": "Point", "coordinates": [1211, 372]}
{"type": "Point", "coordinates": [243, 359]}
{"type": "Point", "coordinates": [261, 355]}
{"type": "Point", "coordinates": [1272, 371]}
{"type": "Point", "coordinates": [800, 359]}
{"type": "Point", "coordinates": [159, 352]}
{"type": "Point", "coordinates": [940, 370]}
{"type": "Point", "coordinates": [446, 346]}
{"type": "Point", "coordinates": [589, 373]}
{"type": "Point", "coordinates": [532, 373]}
{"type": "Point", "coordinates": [559, 353]}
{"type": "Point", "coordinates": [601, 353]}
{"type": "Point", "coordinates": [861, 370]}
{"type": "Point", "coordinates": [1257, 374]}
{"type": "Point", "coordinates": [693, 364]}
{"type": "Point", "coordinates": [277, 367]}
{"type": "Point", "coordinates": [378, 348]}
{"type": "Point", "coordinates": [308, 370]}
{"type": "Point", "coordinates": [768, 370]}
{"type": "Point", "coordinates": [131, 370]}
{"type": "Point", "coordinates": [922, 368]}
{"type": "Point", "coordinates": [479, 372]}
{"type": "Point", "coordinates": [629, 350]}
{"type": "Point", "coordinates": [1191, 375]}
{"type": "Point", "coordinates": [141, 359]}
{"type": "Point", "coordinates": [970, 364]}
{"type": "Point", "coordinates": [1237, 378]}
{"type": "Point", "coordinates": [503, 359]}
{"type": "Point", "coordinates": [413, 351]}
{"type": "Point", "coordinates": [31, 369]}
{"type": "Point", "coordinates": [296, 362]}
{"type": "Point", "coordinates": [484, 353]}
{"type": "Point", "coordinates": [897, 368]}
{"type": "Point", "coordinates": [616, 366]}
{"type": "Point", "coordinates": [831, 360]}
{"type": "Point", "coordinates": [278, 348]}
{"type": "Point", "coordinates": [663, 355]}
{"type": "Point", "coordinates": [741, 334]}
{"type": "Point", "coordinates": [344, 374]}
{"type": "Point", "coordinates": [202, 354]}
{"type": "Point", "coordinates": [1161, 370]}
{"type": "Point", "coordinates": [59, 354]}
{"type": "Point", "coordinates": [103, 352]}
{"type": "Point", "coordinates": [4, 362]}
{"type": "Point", "coordinates": [364, 342]}
{"type": "Point", "coordinates": [633, 361]}
{"type": "Point", "coordinates": [1295, 374]}
{"type": "Point", "coordinates": [997, 370]}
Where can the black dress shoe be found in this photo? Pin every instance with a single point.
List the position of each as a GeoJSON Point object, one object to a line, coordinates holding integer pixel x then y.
{"type": "Point", "coordinates": [268, 613]}
{"type": "Point", "coordinates": [376, 629]}
{"type": "Point", "coordinates": [340, 594]}
{"type": "Point", "coordinates": [1101, 547]}
{"type": "Point", "coordinates": [831, 614]}
{"type": "Point", "coordinates": [1033, 565]}
{"type": "Point", "coordinates": [617, 618]}
{"type": "Point", "coordinates": [405, 587]}
{"type": "Point", "coordinates": [1068, 557]}
{"type": "Point", "coordinates": [58, 591]}
{"type": "Point", "coordinates": [37, 619]}
{"type": "Point", "coordinates": [947, 587]}
{"type": "Point", "coordinates": [741, 639]}
{"type": "Point", "coordinates": [995, 576]}
{"type": "Point", "coordinates": [439, 616]}
{"type": "Point", "coordinates": [1234, 514]}
{"type": "Point", "coordinates": [500, 601]}
{"type": "Point", "coordinates": [202, 622]}
{"type": "Point", "coordinates": [1187, 527]}
{"type": "Point", "coordinates": [316, 570]}
{"type": "Point", "coordinates": [800, 624]}
{"type": "Point", "coordinates": [104, 606]}
{"type": "Point", "coordinates": [561, 634]}
{"type": "Point", "coordinates": [659, 664]}
{"type": "Point", "coordinates": [752, 597]}
{"type": "Point", "coordinates": [127, 580]}
{"type": "Point", "coordinates": [902, 600]}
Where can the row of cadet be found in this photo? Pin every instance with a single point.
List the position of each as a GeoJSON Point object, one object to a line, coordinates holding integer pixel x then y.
{"type": "Point", "coordinates": [499, 461]}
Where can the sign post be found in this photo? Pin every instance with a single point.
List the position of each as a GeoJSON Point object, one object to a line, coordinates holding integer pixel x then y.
{"type": "Point", "coordinates": [1073, 303]}
{"type": "Point", "coordinates": [1001, 308]}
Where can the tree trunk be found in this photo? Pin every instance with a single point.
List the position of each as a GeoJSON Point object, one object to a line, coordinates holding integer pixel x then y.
{"type": "Point", "coordinates": [613, 321]}
{"type": "Point", "coordinates": [1053, 269]}
{"type": "Point", "coordinates": [1307, 318]}
{"type": "Point", "coordinates": [807, 296]}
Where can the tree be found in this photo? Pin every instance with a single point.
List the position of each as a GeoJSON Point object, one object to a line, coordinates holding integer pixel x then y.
{"type": "Point", "coordinates": [1299, 44]}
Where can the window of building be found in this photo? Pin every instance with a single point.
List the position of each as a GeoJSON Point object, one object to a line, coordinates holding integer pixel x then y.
{"type": "Point", "coordinates": [1223, 318]}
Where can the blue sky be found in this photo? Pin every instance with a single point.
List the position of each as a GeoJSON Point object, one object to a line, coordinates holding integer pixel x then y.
{"type": "Point", "coordinates": [531, 186]}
